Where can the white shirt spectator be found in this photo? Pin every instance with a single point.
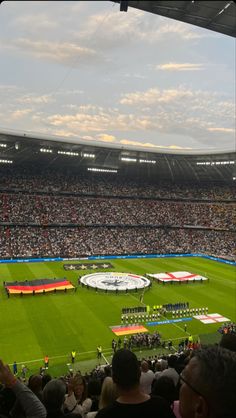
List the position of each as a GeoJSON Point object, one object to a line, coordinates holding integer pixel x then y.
{"type": "Point", "coordinates": [146, 378]}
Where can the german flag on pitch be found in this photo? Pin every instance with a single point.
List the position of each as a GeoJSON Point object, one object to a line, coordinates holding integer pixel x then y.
{"type": "Point", "coordinates": [129, 329]}
{"type": "Point", "coordinates": [38, 286]}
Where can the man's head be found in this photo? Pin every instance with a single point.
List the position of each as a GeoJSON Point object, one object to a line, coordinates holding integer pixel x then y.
{"type": "Point", "coordinates": [144, 366]}
{"type": "Point", "coordinates": [54, 394]}
{"type": "Point", "coordinates": [228, 341]}
{"type": "Point", "coordinates": [172, 361]}
{"type": "Point", "coordinates": [125, 369]}
{"type": "Point", "coordinates": [208, 384]}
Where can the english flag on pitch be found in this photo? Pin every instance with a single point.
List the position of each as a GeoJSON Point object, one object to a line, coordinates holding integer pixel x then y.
{"type": "Point", "coordinates": [177, 276]}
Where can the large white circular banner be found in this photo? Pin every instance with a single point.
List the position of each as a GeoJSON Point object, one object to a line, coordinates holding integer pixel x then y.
{"type": "Point", "coordinates": [115, 281]}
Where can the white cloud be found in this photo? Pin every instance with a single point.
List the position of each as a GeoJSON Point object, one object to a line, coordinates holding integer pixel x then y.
{"type": "Point", "coordinates": [20, 113]}
{"type": "Point", "coordinates": [155, 95]}
{"type": "Point", "coordinates": [151, 145]}
{"type": "Point", "coordinates": [184, 112]}
{"type": "Point", "coordinates": [181, 30]}
{"type": "Point", "coordinates": [106, 138]}
{"type": "Point", "coordinates": [224, 130]}
{"type": "Point", "coordinates": [115, 29]}
{"type": "Point", "coordinates": [67, 53]}
{"type": "Point", "coordinates": [174, 66]}
{"type": "Point", "coordinates": [33, 99]}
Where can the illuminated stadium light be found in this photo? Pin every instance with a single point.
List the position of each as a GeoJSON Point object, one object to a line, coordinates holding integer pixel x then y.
{"type": "Point", "coordinates": [101, 170]}
{"type": "Point", "coordinates": [216, 162]}
{"type": "Point", "coordinates": [6, 161]}
{"type": "Point", "coordinates": [234, 178]}
{"type": "Point", "coordinates": [86, 155]}
{"type": "Point", "coordinates": [224, 8]}
{"type": "Point", "coordinates": [148, 161]}
{"type": "Point", "coordinates": [3, 145]}
{"type": "Point", "coordinates": [46, 150]}
{"type": "Point", "coordinates": [70, 153]}
{"type": "Point", "coordinates": [129, 160]}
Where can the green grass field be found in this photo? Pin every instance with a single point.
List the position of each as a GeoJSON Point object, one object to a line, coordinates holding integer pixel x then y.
{"type": "Point", "coordinates": [54, 324]}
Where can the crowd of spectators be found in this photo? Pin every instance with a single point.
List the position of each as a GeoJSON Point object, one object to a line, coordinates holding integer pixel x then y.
{"type": "Point", "coordinates": [107, 215]}
{"type": "Point", "coordinates": [170, 386]}
{"type": "Point", "coordinates": [53, 181]}
{"type": "Point", "coordinates": [228, 328]}
{"type": "Point", "coordinates": [81, 210]}
{"type": "Point", "coordinates": [75, 242]}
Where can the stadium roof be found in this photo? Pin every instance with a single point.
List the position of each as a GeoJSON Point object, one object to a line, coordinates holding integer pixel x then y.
{"type": "Point", "coordinates": [28, 149]}
{"type": "Point", "coordinates": [219, 16]}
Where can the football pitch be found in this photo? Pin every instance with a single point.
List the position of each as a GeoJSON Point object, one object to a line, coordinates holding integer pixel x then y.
{"type": "Point", "coordinates": [55, 324]}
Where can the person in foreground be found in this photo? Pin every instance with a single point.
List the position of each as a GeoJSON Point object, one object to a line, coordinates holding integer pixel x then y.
{"type": "Point", "coordinates": [208, 384]}
{"type": "Point", "coordinates": [131, 401]}
{"type": "Point", "coordinates": [31, 405]}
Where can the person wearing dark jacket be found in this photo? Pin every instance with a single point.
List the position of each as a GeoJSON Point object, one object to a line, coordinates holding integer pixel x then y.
{"type": "Point", "coordinates": [132, 402]}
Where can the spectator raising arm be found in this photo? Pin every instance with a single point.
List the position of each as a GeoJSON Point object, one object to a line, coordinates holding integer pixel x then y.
{"type": "Point", "coordinates": [31, 405]}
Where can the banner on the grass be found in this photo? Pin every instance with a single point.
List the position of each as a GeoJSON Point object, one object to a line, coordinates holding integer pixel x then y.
{"type": "Point", "coordinates": [211, 318]}
{"type": "Point", "coordinates": [168, 321]}
{"type": "Point", "coordinates": [129, 329]}
{"type": "Point", "coordinates": [90, 266]}
{"type": "Point", "coordinates": [38, 286]}
{"type": "Point", "coordinates": [177, 276]}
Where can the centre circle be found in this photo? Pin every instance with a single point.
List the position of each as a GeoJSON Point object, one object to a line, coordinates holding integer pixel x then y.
{"type": "Point", "coordinates": [115, 281]}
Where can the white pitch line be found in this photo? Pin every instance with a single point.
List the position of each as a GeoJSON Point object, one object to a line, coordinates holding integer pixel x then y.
{"type": "Point", "coordinates": [177, 326]}
{"type": "Point", "coordinates": [105, 359]}
{"type": "Point", "coordinates": [134, 297]}
{"type": "Point", "coordinates": [55, 357]}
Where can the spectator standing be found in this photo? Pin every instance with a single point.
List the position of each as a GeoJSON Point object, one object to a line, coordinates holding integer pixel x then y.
{"type": "Point", "coordinates": [15, 368]}
{"type": "Point", "coordinates": [132, 402]}
{"type": "Point", "coordinates": [171, 372]}
{"type": "Point", "coordinates": [73, 354]}
{"type": "Point", "coordinates": [46, 362]}
{"type": "Point", "coordinates": [76, 400]}
{"type": "Point", "coordinates": [53, 398]}
{"type": "Point", "coordinates": [146, 378]}
{"type": "Point", "coordinates": [99, 352]}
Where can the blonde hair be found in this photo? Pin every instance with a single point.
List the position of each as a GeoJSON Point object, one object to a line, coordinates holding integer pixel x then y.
{"type": "Point", "coordinates": [109, 393]}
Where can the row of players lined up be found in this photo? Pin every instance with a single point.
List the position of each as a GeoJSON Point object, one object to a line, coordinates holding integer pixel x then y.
{"type": "Point", "coordinates": [175, 314]}
{"type": "Point", "coordinates": [168, 307]}
{"type": "Point", "coordinates": [156, 308]}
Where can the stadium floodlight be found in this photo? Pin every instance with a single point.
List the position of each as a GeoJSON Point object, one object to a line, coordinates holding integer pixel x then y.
{"type": "Point", "coordinates": [3, 145]}
{"type": "Point", "coordinates": [129, 160]}
{"type": "Point", "coordinates": [47, 150]}
{"type": "Point", "coordinates": [69, 153]}
{"type": "Point", "coordinates": [102, 170]}
{"type": "Point", "coordinates": [87, 155]}
{"type": "Point", "coordinates": [147, 161]}
{"type": "Point", "coordinates": [234, 178]}
{"type": "Point", "coordinates": [6, 161]}
{"type": "Point", "coordinates": [216, 162]}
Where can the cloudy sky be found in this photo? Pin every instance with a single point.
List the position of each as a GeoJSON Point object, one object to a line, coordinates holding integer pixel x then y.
{"type": "Point", "coordinates": [85, 70]}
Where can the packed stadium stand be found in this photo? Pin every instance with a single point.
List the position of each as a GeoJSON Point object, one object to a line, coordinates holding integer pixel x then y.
{"type": "Point", "coordinates": [55, 212]}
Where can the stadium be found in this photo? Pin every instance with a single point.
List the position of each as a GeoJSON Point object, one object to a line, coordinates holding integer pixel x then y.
{"type": "Point", "coordinates": [103, 244]}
